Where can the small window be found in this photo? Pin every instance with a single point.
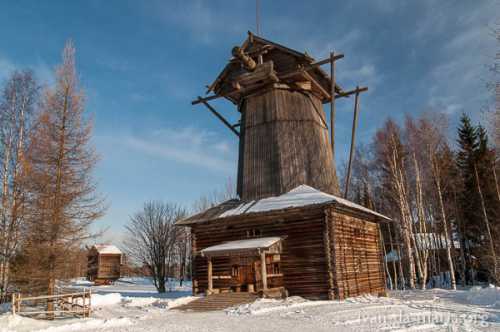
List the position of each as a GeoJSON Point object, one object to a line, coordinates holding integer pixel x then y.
{"type": "Point", "coordinates": [273, 268]}
{"type": "Point", "coordinates": [254, 232]}
{"type": "Point", "coordinates": [276, 268]}
{"type": "Point", "coordinates": [235, 271]}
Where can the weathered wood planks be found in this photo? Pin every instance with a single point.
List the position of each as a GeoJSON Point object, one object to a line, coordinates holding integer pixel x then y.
{"type": "Point", "coordinates": [347, 262]}
{"type": "Point", "coordinates": [284, 145]}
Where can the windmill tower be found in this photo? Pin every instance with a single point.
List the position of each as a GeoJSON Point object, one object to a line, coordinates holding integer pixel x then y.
{"type": "Point", "coordinates": [283, 131]}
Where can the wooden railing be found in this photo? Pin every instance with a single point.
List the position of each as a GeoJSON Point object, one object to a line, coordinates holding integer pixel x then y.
{"type": "Point", "coordinates": [74, 304]}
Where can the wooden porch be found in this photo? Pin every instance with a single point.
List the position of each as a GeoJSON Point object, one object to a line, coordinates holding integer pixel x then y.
{"type": "Point", "coordinates": [251, 266]}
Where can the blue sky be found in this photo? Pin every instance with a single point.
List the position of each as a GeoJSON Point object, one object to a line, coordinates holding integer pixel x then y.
{"type": "Point", "coordinates": [142, 62]}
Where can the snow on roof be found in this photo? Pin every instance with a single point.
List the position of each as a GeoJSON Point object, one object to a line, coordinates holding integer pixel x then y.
{"type": "Point", "coordinates": [300, 196]}
{"type": "Point", "coordinates": [433, 241]}
{"type": "Point", "coordinates": [107, 249]}
{"type": "Point", "coordinates": [257, 243]}
{"type": "Point", "coordinates": [392, 256]}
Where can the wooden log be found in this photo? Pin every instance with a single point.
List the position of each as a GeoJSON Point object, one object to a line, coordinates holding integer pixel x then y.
{"type": "Point", "coordinates": [209, 276]}
{"type": "Point", "coordinates": [263, 270]}
{"type": "Point", "coordinates": [219, 116]}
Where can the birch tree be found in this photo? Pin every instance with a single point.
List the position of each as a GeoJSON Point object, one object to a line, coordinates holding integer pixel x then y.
{"type": "Point", "coordinates": [416, 161]}
{"type": "Point", "coordinates": [391, 158]}
{"type": "Point", "coordinates": [435, 145]}
{"type": "Point", "coordinates": [17, 106]}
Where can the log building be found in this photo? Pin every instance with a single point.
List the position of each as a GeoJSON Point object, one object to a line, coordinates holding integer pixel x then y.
{"type": "Point", "coordinates": [104, 263]}
{"type": "Point", "coordinates": [289, 233]}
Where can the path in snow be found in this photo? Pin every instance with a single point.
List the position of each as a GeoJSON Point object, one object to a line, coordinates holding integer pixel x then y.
{"type": "Point", "coordinates": [430, 310]}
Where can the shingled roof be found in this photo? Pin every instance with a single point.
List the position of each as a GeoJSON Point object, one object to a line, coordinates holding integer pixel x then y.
{"type": "Point", "coordinates": [302, 196]}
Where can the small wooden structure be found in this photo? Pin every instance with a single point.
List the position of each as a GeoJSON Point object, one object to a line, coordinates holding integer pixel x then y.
{"type": "Point", "coordinates": [305, 243]}
{"type": "Point", "coordinates": [290, 232]}
{"type": "Point", "coordinates": [104, 263]}
{"type": "Point", "coordinates": [70, 304]}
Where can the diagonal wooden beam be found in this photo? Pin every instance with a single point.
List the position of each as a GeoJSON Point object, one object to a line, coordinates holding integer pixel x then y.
{"type": "Point", "coordinates": [353, 138]}
{"type": "Point", "coordinates": [332, 104]}
{"type": "Point", "coordinates": [219, 116]}
{"type": "Point", "coordinates": [351, 92]}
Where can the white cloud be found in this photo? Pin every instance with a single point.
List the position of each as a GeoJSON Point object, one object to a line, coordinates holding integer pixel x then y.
{"type": "Point", "coordinates": [455, 83]}
{"type": "Point", "coordinates": [201, 20]}
{"type": "Point", "coordinates": [43, 73]}
{"type": "Point", "coordinates": [186, 145]}
{"type": "Point", "coordinates": [6, 67]}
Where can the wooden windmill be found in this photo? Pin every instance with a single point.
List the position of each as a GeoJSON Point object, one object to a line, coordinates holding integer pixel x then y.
{"type": "Point", "coordinates": [283, 131]}
{"type": "Point", "coordinates": [289, 233]}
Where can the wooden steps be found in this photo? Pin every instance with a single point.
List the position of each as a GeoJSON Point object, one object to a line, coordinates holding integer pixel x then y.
{"type": "Point", "coordinates": [218, 302]}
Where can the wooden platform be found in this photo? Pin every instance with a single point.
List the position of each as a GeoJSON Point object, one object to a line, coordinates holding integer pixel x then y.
{"type": "Point", "coordinates": [218, 302]}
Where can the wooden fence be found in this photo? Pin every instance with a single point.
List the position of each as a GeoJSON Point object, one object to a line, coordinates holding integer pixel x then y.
{"type": "Point", "coordinates": [71, 304]}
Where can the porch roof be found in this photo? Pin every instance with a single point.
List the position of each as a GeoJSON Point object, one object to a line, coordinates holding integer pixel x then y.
{"type": "Point", "coordinates": [239, 246]}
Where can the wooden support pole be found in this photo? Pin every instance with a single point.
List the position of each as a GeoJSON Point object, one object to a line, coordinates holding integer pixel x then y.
{"type": "Point", "coordinates": [351, 92]}
{"type": "Point", "coordinates": [332, 104]}
{"type": "Point", "coordinates": [353, 138]}
{"type": "Point", "coordinates": [13, 303]}
{"type": "Point", "coordinates": [220, 117]}
{"type": "Point", "coordinates": [263, 270]}
{"type": "Point", "coordinates": [209, 276]}
{"type": "Point", "coordinates": [90, 302]}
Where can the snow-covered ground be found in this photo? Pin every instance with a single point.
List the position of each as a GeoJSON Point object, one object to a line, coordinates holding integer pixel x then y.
{"type": "Point", "coordinates": [133, 305]}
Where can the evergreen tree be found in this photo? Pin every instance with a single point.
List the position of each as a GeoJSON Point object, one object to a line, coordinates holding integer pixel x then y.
{"type": "Point", "coordinates": [468, 196]}
{"type": "Point", "coordinates": [477, 197]}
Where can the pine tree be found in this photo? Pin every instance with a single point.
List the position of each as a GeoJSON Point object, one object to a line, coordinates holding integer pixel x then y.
{"type": "Point", "coordinates": [475, 160]}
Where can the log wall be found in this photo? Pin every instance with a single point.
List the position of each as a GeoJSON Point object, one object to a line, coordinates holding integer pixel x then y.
{"type": "Point", "coordinates": [357, 259]}
{"type": "Point", "coordinates": [351, 244]}
{"type": "Point", "coordinates": [103, 266]}
{"type": "Point", "coordinates": [303, 263]}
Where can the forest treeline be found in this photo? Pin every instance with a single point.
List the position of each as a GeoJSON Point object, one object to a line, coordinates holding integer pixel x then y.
{"type": "Point", "coordinates": [443, 197]}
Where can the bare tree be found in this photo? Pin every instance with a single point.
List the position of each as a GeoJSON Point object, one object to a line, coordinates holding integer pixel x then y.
{"type": "Point", "coordinates": [17, 106]}
{"type": "Point", "coordinates": [435, 145]}
{"type": "Point", "coordinates": [390, 155]}
{"type": "Point", "coordinates": [416, 163]}
{"type": "Point", "coordinates": [63, 199]}
{"type": "Point", "coordinates": [215, 197]}
{"type": "Point", "coordinates": [152, 238]}
{"type": "Point", "coordinates": [183, 251]}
